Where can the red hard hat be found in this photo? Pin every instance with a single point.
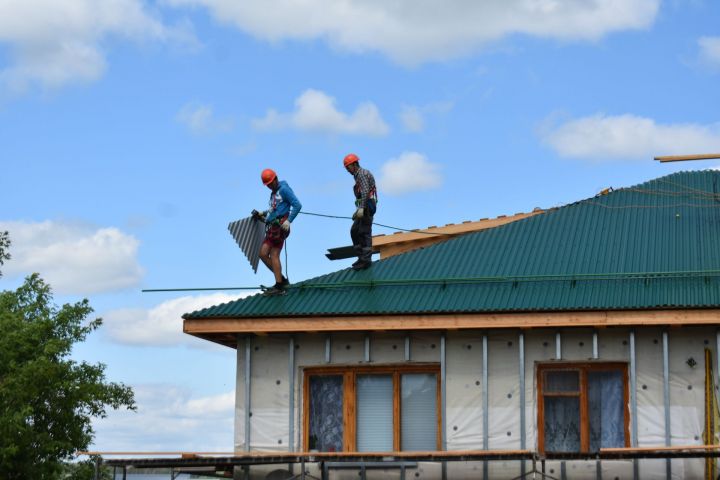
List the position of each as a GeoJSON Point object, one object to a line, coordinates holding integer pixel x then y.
{"type": "Point", "coordinates": [268, 176]}
{"type": "Point", "coordinates": [350, 158]}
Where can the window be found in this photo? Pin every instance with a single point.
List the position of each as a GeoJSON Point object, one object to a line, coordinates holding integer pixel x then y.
{"type": "Point", "coordinates": [372, 409]}
{"type": "Point", "coordinates": [582, 407]}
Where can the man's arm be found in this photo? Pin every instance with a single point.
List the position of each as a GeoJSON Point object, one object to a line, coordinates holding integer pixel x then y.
{"type": "Point", "coordinates": [289, 196]}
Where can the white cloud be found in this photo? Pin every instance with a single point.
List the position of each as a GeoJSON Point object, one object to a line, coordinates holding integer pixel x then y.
{"type": "Point", "coordinates": [602, 137]}
{"type": "Point", "coordinates": [413, 117]}
{"type": "Point", "coordinates": [710, 50]}
{"type": "Point", "coordinates": [419, 31]}
{"type": "Point", "coordinates": [199, 118]}
{"type": "Point", "coordinates": [409, 172]}
{"type": "Point", "coordinates": [316, 111]}
{"type": "Point", "coordinates": [74, 258]}
{"type": "Point", "coordinates": [161, 325]}
{"type": "Point", "coordinates": [57, 42]}
{"type": "Point", "coordinates": [169, 418]}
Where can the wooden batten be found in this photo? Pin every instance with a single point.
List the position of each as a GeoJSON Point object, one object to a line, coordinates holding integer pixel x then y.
{"type": "Point", "coordinates": [683, 158]}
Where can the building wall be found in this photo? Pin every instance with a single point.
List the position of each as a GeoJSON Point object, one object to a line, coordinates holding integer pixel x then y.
{"type": "Point", "coordinates": [270, 390]}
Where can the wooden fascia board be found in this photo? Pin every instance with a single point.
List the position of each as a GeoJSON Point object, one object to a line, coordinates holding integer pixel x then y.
{"type": "Point", "coordinates": [207, 327]}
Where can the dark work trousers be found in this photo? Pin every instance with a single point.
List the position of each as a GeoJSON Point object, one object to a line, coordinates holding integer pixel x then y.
{"type": "Point", "coordinates": [361, 233]}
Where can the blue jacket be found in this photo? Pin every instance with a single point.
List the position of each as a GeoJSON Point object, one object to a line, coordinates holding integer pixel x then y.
{"type": "Point", "coordinates": [282, 202]}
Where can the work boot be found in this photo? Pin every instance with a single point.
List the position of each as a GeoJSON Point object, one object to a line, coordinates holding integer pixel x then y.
{"type": "Point", "coordinates": [276, 289]}
{"type": "Point", "coordinates": [361, 264]}
{"type": "Point", "coordinates": [285, 282]}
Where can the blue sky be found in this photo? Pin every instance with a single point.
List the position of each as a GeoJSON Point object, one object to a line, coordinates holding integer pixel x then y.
{"type": "Point", "coordinates": [132, 132]}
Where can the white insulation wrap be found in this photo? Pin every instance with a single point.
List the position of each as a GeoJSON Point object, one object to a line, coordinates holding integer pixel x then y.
{"type": "Point", "coordinates": [464, 391]}
{"type": "Point", "coordinates": [269, 427]}
{"type": "Point", "coordinates": [387, 348]}
{"type": "Point", "coordinates": [269, 422]}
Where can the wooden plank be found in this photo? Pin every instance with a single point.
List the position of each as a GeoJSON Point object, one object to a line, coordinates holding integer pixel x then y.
{"type": "Point", "coordinates": [660, 448]}
{"type": "Point", "coordinates": [584, 419]}
{"type": "Point", "coordinates": [382, 455]}
{"type": "Point", "coordinates": [317, 456]}
{"type": "Point", "coordinates": [349, 412]}
{"type": "Point", "coordinates": [682, 158]}
{"type": "Point", "coordinates": [209, 328]}
{"type": "Point", "coordinates": [306, 412]}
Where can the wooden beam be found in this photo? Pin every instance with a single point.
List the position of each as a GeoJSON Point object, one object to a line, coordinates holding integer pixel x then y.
{"type": "Point", "coordinates": [682, 158]}
{"type": "Point", "coordinates": [451, 229]}
{"type": "Point", "coordinates": [332, 455]}
{"type": "Point", "coordinates": [209, 328]}
{"type": "Point", "coordinates": [660, 448]}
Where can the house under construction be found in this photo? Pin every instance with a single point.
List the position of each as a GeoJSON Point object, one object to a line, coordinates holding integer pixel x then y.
{"type": "Point", "coordinates": [581, 341]}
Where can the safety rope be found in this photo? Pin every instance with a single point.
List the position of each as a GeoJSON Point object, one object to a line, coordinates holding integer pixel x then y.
{"type": "Point", "coordinates": [302, 212]}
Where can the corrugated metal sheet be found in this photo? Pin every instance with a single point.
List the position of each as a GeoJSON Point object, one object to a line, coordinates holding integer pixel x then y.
{"type": "Point", "coordinates": [655, 245]}
{"type": "Point", "coordinates": [249, 234]}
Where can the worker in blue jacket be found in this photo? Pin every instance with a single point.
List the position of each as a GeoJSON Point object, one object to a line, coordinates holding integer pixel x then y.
{"type": "Point", "coordinates": [284, 206]}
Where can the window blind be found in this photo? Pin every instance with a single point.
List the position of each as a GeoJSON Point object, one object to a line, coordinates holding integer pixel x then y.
{"type": "Point", "coordinates": [418, 408]}
{"type": "Point", "coordinates": [374, 413]}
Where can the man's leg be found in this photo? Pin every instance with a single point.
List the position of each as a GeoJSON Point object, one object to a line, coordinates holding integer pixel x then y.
{"type": "Point", "coordinates": [275, 265]}
{"type": "Point", "coordinates": [365, 234]}
{"type": "Point", "coordinates": [356, 237]}
{"type": "Point", "coordinates": [265, 255]}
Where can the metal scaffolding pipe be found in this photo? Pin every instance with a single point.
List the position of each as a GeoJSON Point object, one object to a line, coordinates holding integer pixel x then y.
{"type": "Point", "coordinates": [666, 399]}
{"type": "Point", "coordinates": [485, 402]}
{"type": "Point", "coordinates": [328, 346]}
{"type": "Point", "coordinates": [633, 403]}
{"type": "Point", "coordinates": [443, 399]}
{"type": "Point", "coordinates": [291, 392]}
{"type": "Point", "coordinates": [521, 374]}
{"type": "Point", "coordinates": [248, 348]}
{"type": "Point", "coordinates": [596, 349]}
{"type": "Point", "coordinates": [558, 346]}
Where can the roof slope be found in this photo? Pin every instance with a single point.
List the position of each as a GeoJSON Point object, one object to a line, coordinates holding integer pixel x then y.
{"type": "Point", "coordinates": [654, 245]}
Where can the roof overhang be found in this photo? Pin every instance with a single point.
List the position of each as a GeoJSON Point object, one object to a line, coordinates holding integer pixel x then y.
{"type": "Point", "coordinates": [226, 330]}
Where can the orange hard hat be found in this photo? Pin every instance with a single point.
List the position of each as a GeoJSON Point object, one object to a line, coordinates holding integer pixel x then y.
{"type": "Point", "coordinates": [267, 176]}
{"type": "Point", "coordinates": [350, 158]}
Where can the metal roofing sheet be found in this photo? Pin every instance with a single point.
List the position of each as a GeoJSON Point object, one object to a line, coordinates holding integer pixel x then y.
{"type": "Point", "coordinates": [654, 245]}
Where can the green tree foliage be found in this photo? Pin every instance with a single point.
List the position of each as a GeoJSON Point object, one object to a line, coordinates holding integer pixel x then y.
{"type": "Point", "coordinates": [85, 470]}
{"type": "Point", "coordinates": [4, 245]}
{"type": "Point", "coordinates": [47, 400]}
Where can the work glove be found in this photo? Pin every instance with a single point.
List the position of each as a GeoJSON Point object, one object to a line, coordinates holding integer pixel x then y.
{"type": "Point", "coordinates": [258, 215]}
{"type": "Point", "coordinates": [359, 213]}
{"type": "Point", "coordinates": [285, 226]}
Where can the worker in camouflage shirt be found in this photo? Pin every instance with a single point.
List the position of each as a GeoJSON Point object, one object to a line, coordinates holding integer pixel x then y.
{"type": "Point", "coordinates": [365, 206]}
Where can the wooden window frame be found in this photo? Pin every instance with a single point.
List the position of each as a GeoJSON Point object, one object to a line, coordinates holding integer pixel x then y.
{"type": "Point", "coordinates": [582, 368]}
{"type": "Point", "coordinates": [350, 373]}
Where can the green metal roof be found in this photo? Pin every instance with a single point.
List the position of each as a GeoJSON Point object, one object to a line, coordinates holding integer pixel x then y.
{"type": "Point", "coordinates": [654, 245]}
